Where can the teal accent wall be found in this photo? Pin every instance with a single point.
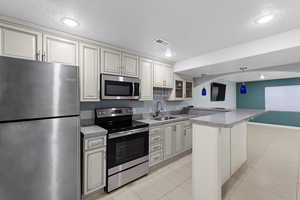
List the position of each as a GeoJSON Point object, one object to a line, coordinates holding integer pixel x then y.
{"type": "Point", "coordinates": [255, 99]}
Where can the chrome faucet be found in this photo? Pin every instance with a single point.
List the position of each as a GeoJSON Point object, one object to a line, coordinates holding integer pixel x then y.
{"type": "Point", "coordinates": [157, 111]}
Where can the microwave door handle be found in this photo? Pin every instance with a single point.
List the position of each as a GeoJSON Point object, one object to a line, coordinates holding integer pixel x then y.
{"type": "Point", "coordinates": [133, 89]}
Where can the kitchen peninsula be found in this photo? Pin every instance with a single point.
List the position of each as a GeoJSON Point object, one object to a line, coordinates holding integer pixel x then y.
{"type": "Point", "coordinates": [219, 150]}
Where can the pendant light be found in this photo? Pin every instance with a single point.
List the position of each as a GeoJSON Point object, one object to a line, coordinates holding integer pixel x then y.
{"type": "Point", "coordinates": [203, 92]}
{"type": "Point", "coordinates": [243, 87]}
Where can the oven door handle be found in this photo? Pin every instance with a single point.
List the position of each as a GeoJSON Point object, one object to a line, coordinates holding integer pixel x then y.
{"type": "Point", "coordinates": [126, 133]}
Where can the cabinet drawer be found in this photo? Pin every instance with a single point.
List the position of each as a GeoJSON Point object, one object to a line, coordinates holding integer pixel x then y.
{"type": "Point", "coordinates": [155, 138]}
{"type": "Point", "coordinates": [156, 158]}
{"type": "Point", "coordinates": [93, 143]}
{"type": "Point", "coordinates": [155, 148]}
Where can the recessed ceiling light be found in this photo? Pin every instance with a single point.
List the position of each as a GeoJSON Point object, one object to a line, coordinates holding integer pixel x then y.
{"type": "Point", "coordinates": [69, 22]}
{"type": "Point", "coordinates": [262, 76]}
{"type": "Point", "coordinates": [168, 53]}
{"type": "Point", "coordinates": [265, 19]}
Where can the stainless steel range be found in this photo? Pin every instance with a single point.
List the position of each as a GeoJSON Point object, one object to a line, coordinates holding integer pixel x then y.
{"type": "Point", "coordinates": [127, 146]}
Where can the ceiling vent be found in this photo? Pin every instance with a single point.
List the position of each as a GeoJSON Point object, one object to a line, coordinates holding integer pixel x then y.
{"type": "Point", "coordinates": [161, 42]}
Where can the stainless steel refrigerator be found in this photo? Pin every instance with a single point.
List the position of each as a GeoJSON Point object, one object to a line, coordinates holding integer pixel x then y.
{"type": "Point", "coordinates": [39, 131]}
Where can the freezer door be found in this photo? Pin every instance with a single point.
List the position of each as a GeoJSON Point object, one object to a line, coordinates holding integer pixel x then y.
{"type": "Point", "coordinates": [40, 160]}
{"type": "Point", "coordinates": [32, 89]}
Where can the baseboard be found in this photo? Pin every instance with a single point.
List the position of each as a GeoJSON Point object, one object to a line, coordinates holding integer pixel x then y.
{"type": "Point", "coordinates": [274, 125]}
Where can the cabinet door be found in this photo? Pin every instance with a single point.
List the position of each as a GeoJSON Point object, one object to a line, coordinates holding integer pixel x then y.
{"type": "Point", "coordinates": [168, 142]}
{"type": "Point", "coordinates": [130, 65]}
{"type": "Point", "coordinates": [89, 72]}
{"type": "Point", "coordinates": [20, 43]}
{"type": "Point", "coordinates": [94, 170]}
{"type": "Point", "coordinates": [238, 146]}
{"type": "Point", "coordinates": [168, 76]}
{"type": "Point", "coordinates": [60, 50]}
{"type": "Point", "coordinates": [146, 75]}
{"type": "Point", "coordinates": [225, 154]}
{"type": "Point", "coordinates": [159, 76]}
{"type": "Point", "coordinates": [187, 138]}
{"type": "Point", "coordinates": [111, 61]}
{"type": "Point", "coordinates": [188, 89]}
{"type": "Point", "coordinates": [179, 135]}
{"type": "Point", "coordinates": [178, 89]}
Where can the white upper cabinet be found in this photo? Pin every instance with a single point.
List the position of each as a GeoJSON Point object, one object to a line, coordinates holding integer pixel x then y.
{"type": "Point", "coordinates": [60, 50]}
{"type": "Point", "coordinates": [169, 76]}
{"type": "Point", "coordinates": [20, 43]}
{"type": "Point", "coordinates": [158, 75]}
{"type": "Point", "coordinates": [117, 63]}
{"type": "Point", "coordinates": [89, 72]}
{"type": "Point", "coordinates": [183, 88]}
{"type": "Point", "coordinates": [146, 76]}
{"type": "Point", "coordinates": [163, 75]}
{"type": "Point", "coordinates": [188, 89]}
{"type": "Point", "coordinates": [130, 64]}
{"type": "Point", "coordinates": [111, 62]}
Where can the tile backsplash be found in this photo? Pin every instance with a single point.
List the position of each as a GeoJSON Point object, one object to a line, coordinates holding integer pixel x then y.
{"type": "Point", "coordinates": [87, 108]}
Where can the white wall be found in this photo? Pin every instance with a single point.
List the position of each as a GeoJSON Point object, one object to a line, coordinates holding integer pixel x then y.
{"type": "Point", "coordinates": [204, 101]}
{"type": "Point", "coordinates": [283, 98]}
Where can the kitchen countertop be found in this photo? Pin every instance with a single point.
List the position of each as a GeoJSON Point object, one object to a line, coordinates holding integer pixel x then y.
{"type": "Point", "coordinates": [227, 119]}
{"type": "Point", "coordinates": [179, 117]}
{"type": "Point", "coordinates": [92, 131]}
{"type": "Point", "coordinates": [153, 122]}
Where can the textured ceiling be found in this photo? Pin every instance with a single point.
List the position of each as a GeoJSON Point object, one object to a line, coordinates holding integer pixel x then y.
{"type": "Point", "coordinates": [192, 27]}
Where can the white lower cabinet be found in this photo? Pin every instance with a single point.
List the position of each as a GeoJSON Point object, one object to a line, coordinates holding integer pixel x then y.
{"type": "Point", "coordinates": [238, 146]}
{"type": "Point", "coordinates": [156, 140]}
{"type": "Point", "coordinates": [224, 143]}
{"type": "Point", "coordinates": [233, 149]}
{"type": "Point", "coordinates": [188, 135]}
{"type": "Point", "coordinates": [94, 165]}
{"type": "Point", "coordinates": [179, 138]}
{"type": "Point", "coordinates": [169, 140]}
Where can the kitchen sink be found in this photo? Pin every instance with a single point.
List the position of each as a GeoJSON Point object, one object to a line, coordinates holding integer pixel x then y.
{"type": "Point", "coordinates": [164, 118]}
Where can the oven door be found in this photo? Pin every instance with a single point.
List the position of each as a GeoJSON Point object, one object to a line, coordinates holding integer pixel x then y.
{"type": "Point", "coordinates": [118, 87]}
{"type": "Point", "coordinates": [127, 149]}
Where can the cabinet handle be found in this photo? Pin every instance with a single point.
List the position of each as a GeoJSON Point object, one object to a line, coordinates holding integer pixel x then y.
{"type": "Point", "coordinates": [156, 148]}
{"type": "Point", "coordinates": [43, 56]}
{"type": "Point", "coordinates": [38, 55]}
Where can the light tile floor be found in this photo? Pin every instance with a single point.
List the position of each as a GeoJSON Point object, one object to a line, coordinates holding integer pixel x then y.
{"type": "Point", "coordinates": [271, 172]}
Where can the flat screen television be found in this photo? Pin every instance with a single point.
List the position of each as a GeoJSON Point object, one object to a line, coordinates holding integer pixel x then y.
{"type": "Point", "coordinates": [217, 92]}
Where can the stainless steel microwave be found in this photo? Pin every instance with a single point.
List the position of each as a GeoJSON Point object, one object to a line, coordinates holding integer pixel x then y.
{"type": "Point", "coordinates": [119, 87]}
